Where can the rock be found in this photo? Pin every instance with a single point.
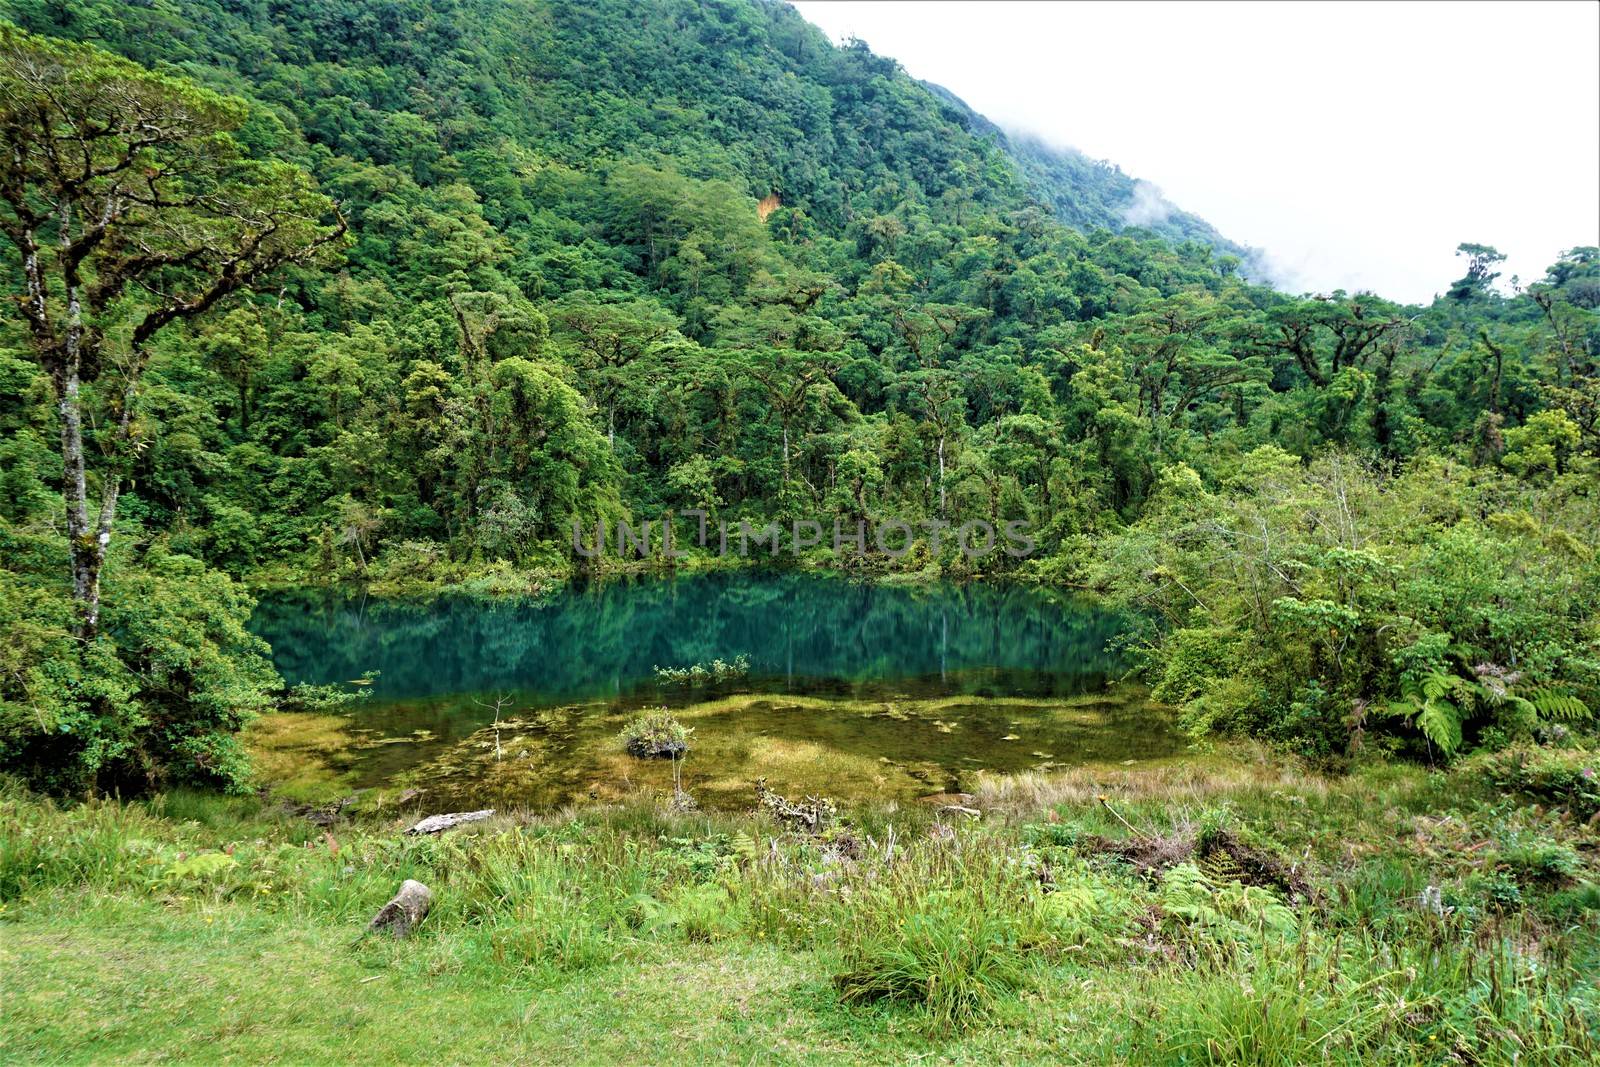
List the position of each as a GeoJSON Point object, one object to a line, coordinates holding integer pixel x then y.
{"type": "Point", "coordinates": [402, 914]}
{"type": "Point", "coordinates": [434, 824]}
{"type": "Point", "coordinates": [656, 748]}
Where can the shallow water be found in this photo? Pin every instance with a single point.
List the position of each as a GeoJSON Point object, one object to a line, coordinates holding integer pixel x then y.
{"type": "Point", "coordinates": [853, 689]}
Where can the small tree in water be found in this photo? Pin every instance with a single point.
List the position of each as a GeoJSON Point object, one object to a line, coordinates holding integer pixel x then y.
{"type": "Point", "coordinates": [657, 735]}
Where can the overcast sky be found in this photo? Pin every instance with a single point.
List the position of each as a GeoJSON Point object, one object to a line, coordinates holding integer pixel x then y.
{"type": "Point", "coordinates": [1356, 144]}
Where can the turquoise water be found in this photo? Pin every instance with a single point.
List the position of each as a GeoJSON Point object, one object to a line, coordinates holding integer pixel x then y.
{"type": "Point", "coordinates": [851, 687]}
{"type": "Point", "coordinates": [800, 632]}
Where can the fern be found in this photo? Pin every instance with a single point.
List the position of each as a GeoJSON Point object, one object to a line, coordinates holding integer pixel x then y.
{"type": "Point", "coordinates": [1071, 900]}
{"type": "Point", "coordinates": [1428, 707]}
{"type": "Point", "coordinates": [1440, 704]}
{"type": "Point", "coordinates": [1232, 910]}
{"type": "Point", "coordinates": [1440, 722]}
{"type": "Point", "coordinates": [1557, 704]}
{"type": "Point", "coordinates": [200, 866]}
{"type": "Point", "coordinates": [745, 847]}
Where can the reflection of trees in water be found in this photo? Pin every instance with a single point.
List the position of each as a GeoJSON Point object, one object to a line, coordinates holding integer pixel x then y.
{"type": "Point", "coordinates": [603, 638]}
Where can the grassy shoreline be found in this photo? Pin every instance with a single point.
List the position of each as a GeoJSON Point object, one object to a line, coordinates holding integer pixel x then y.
{"type": "Point", "coordinates": [1230, 908]}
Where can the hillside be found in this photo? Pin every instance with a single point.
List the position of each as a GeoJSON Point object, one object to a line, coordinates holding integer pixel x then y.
{"type": "Point", "coordinates": [1087, 193]}
{"type": "Point", "coordinates": [537, 151]}
{"type": "Point", "coordinates": [746, 92]}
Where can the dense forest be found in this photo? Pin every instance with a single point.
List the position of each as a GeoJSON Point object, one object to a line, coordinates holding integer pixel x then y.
{"type": "Point", "coordinates": [548, 262]}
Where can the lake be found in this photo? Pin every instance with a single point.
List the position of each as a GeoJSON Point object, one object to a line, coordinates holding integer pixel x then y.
{"type": "Point", "coordinates": [846, 687]}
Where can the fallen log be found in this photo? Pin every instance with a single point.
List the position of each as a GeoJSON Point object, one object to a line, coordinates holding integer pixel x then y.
{"type": "Point", "coordinates": [960, 809]}
{"type": "Point", "coordinates": [402, 914]}
{"type": "Point", "coordinates": [434, 824]}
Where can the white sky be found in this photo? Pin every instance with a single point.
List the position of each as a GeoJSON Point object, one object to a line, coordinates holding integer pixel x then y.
{"type": "Point", "coordinates": [1356, 144]}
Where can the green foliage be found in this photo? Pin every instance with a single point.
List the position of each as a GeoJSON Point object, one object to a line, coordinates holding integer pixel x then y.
{"type": "Point", "coordinates": [1239, 912]}
{"type": "Point", "coordinates": [701, 673]}
{"type": "Point", "coordinates": [695, 912]}
{"type": "Point", "coordinates": [952, 952]}
{"type": "Point", "coordinates": [157, 699]}
{"type": "Point", "coordinates": [560, 303]}
{"type": "Point", "coordinates": [1335, 605]}
{"type": "Point", "coordinates": [1418, 942]}
{"type": "Point", "coordinates": [1569, 778]}
{"type": "Point", "coordinates": [199, 867]}
{"type": "Point", "coordinates": [654, 734]}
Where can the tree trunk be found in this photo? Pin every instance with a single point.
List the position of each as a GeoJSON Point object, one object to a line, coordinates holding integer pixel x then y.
{"type": "Point", "coordinates": [941, 476]}
{"type": "Point", "coordinates": [402, 914]}
{"type": "Point", "coordinates": [434, 824]}
{"type": "Point", "coordinates": [86, 546]}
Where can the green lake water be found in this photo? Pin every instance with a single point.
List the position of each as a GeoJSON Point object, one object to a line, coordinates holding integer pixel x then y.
{"type": "Point", "coordinates": [853, 689]}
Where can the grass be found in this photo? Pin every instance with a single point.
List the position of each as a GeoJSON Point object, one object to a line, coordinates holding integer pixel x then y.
{"type": "Point", "coordinates": [1443, 921]}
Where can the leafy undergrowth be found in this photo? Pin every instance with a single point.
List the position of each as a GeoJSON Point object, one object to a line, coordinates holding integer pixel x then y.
{"type": "Point", "coordinates": [1257, 915]}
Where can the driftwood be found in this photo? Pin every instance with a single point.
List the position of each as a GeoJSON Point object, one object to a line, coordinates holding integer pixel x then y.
{"type": "Point", "coordinates": [401, 915]}
{"type": "Point", "coordinates": [434, 824]}
{"type": "Point", "coordinates": [811, 815]}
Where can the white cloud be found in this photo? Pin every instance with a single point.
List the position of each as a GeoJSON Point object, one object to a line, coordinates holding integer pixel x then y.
{"type": "Point", "coordinates": [1147, 207]}
{"type": "Point", "coordinates": [1355, 143]}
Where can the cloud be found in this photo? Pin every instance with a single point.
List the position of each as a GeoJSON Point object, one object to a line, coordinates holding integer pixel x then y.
{"type": "Point", "coordinates": [1147, 207]}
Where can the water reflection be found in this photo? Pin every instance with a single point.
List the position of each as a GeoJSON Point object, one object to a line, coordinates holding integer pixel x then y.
{"type": "Point", "coordinates": [801, 633]}
{"type": "Point", "coordinates": [854, 689]}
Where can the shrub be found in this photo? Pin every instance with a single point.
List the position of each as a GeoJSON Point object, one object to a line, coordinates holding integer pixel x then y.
{"type": "Point", "coordinates": [1569, 778]}
{"type": "Point", "coordinates": [655, 735]}
{"type": "Point", "coordinates": [701, 673]}
{"type": "Point", "coordinates": [157, 699]}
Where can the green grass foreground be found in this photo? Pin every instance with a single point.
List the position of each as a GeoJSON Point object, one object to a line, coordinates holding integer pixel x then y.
{"type": "Point", "coordinates": [1229, 909]}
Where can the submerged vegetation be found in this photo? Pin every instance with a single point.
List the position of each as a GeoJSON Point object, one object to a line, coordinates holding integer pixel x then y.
{"type": "Point", "coordinates": [858, 750]}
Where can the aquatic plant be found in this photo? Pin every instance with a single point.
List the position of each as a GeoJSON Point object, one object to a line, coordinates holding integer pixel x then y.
{"type": "Point", "coordinates": [656, 735]}
{"type": "Point", "coordinates": [701, 673]}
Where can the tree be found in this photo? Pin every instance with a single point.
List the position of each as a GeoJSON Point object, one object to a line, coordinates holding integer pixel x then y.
{"type": "Point", "coordinates": [789, 382]}
{"type": "Point", "coordinates": [236, 347]}
{"type": "Point", "coordinates": [1175, 361]}
{"type": "Point", "coordinates": [605, 341]}
{"type": "Point", "coordinates": [131, 207]}
{"type": "Point", "coordinates": [1325, 335]}
{"type": "Point", "coordinates": [936, 396]}
{"type": "Point", "coordinates": [1481, 260]}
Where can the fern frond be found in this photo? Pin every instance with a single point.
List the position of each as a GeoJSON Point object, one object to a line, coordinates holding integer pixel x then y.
{"type": "Point", "coordinates": [1556, 704]}
{"type": "Point", "coordinates": [1436, 685]}
{"type": "Point", "coordinates": [1440, 722]}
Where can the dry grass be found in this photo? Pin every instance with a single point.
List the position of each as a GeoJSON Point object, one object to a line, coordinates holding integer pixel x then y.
{"type": "Point", "coordinates": [1238, 769]}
